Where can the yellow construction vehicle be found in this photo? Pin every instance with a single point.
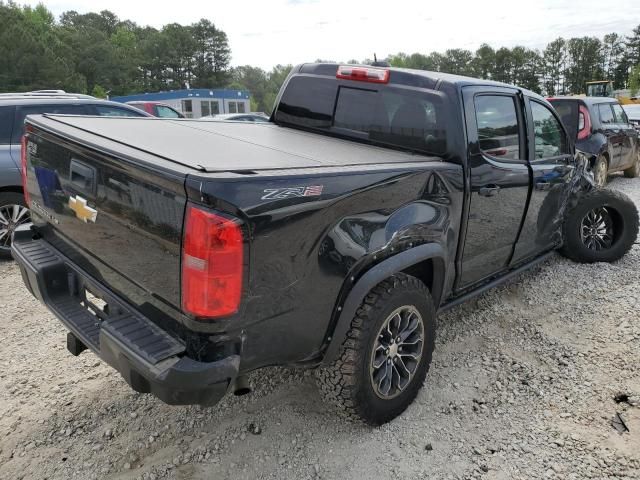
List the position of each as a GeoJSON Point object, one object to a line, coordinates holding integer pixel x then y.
{"type": "Point", "coordinates": [604, 88]}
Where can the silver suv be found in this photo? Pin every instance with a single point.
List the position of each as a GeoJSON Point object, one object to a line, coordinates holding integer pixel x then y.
{"type": "Point", "coordinates": [14, 107]}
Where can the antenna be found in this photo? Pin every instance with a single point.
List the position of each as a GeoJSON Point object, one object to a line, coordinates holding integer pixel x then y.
{"type": "Point", "coordinates": [381, 63]}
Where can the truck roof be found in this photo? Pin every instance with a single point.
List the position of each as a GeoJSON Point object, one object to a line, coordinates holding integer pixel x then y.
{"type": "Point", "coordinates": [219, 146]}
{"type": "Point", "coordinates": [431, 78]}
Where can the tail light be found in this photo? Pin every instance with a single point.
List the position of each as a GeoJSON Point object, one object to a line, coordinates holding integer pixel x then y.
{"type": "Point", "coordinates": [584, 123]}
{"type": "Point", "coordinates": [363, 74]}
{"type": "Point", "coordinates": [23, 168]}
{"type": "Point", "coordinates": [212, 258]}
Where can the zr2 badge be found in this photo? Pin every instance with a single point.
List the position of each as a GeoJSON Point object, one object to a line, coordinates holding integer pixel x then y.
{"type": "Point", "coordinates": [292, 192]}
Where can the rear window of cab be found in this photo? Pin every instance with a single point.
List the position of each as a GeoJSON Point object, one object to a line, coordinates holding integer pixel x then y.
{"type": "Point", "coordinates": [388, 115]}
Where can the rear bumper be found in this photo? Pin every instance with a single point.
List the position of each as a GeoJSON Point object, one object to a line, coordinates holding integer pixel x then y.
{"type": "Point", "coordinates": [148, 358]}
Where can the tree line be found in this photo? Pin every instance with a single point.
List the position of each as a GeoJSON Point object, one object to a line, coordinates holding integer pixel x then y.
{"type": "Point", "coordinates": [563, 67]}
{"type": "Point", "coordinates": [100, 54]}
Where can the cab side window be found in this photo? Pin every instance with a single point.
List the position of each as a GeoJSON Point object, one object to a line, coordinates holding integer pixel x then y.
{"type": "Point", "coordinates": [498, 130]}
{"type": "Point", "coordinates": [549, 136]}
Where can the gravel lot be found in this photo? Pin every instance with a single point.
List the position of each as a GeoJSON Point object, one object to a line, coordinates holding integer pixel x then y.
{"type": "Point", "coordinates": [525, 383]}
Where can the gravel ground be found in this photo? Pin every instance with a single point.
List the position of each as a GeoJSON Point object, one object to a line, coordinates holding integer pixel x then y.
{"type": "Point", "coordinates": [525, 383]}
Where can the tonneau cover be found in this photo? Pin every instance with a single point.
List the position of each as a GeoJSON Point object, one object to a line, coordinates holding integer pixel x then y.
{"type": "Point", "coordinates": [214, 146]}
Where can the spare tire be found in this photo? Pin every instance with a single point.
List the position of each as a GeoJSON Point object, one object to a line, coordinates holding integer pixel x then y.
{"type": "Point", "coordinates": [601, 227]}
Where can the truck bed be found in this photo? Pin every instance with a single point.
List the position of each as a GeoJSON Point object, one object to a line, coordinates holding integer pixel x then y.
{"type": "Point", "coordinates": [220, 146]}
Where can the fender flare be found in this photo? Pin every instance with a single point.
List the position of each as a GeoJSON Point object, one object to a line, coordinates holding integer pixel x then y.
{"type": "Point", "coordinates": [373, 277]}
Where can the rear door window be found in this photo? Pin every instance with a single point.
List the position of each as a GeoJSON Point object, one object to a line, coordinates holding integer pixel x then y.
{"type": "Point", "coordinates": [498, 128]}
{"type": "Point", "coordinates": [550, 139]}
{"type": "Point", "coordinates": [386, 115]}
{"type": "Point", "coordinates": [606, 114]}
{"type": "Point", "coordinates": [23, 111]}
{"type": "Point", "coordinates": [6, 124]}
{"type": "Point", "coordinates": [166, 112]}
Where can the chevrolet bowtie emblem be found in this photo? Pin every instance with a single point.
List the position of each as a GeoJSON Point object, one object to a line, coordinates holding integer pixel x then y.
{"type": "Point", "coordinates": [83, 212]}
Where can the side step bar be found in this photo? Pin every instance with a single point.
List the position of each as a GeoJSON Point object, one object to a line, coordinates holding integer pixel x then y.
{"type": "Point", "coordinates": [493, 283]}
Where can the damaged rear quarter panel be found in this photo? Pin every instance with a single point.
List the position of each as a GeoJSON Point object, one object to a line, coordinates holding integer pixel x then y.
{"type": "Point", "coordinates": [304, 250]}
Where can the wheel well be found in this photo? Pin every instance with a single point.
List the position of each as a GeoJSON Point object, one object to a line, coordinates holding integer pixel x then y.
{"type": "Point", "coordinates": [593, 158]}
{"type": "Point", "coordinates": [14, 189]}
{"type": "Point", "coordinates": [423, 271]}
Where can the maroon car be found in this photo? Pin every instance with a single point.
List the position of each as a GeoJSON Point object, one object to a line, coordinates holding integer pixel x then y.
{"type": "Point", "coordinates": [157, 109]}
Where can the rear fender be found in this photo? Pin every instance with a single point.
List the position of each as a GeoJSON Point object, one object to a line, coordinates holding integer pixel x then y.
{"type": "Point", "coordinates": [378, 273]}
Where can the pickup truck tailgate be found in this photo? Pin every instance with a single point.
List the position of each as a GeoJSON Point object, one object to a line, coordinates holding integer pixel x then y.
{"type": "Point", "coordinates": [120, 220]}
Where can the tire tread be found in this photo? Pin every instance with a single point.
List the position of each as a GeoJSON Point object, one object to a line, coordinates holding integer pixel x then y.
{"type": "Point", "coordinates": [338, 382]}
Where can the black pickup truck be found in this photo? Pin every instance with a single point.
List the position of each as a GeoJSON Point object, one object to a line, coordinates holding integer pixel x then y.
{"type": "Point", "coordinates": [187, 254]}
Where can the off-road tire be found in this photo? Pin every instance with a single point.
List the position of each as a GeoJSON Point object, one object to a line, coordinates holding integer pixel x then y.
{"type": "Point", "coordinates": [634, 170]}
{"type": "Point", "coordinates": [347, 382]}
{"type": "Point", "coordinates": [625, 227]}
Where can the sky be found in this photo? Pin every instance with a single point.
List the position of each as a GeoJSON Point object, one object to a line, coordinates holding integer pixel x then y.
{"type": "Point", "coordinates": [270, 32]}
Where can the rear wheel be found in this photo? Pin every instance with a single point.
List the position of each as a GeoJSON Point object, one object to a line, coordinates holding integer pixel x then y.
{"type": "Point", "coordinates": [634, 170]}
{"type": "Point", "coordinates": [385, 357]}
{"type": "Point", "coordinates": [601, 228]}
{"type": "Point", "coordinates": [13, 212]}
{"type": "Point", "coordinates": [600, 171]}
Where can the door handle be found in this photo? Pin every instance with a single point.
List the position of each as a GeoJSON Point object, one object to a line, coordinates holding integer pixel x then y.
{"type": "Point", "coordinates": [489, 190]}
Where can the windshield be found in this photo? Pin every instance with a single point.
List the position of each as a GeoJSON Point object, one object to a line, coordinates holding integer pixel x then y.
{"type": "Point", "coordinates": [395, 116]}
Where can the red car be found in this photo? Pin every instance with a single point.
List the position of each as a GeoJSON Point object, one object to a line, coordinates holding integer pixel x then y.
{"type": "Point", "coordinates": [157, 109]}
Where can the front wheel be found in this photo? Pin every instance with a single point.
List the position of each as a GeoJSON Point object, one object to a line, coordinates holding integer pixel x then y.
{"type": "Point", "coordinates": [601, 228]}
{"type": "Point", "coordinates": [384, 359]}
{"type": "Point", "coordinates": [634, 170]}
{"type": "Point", "coordinates": [13, 212]}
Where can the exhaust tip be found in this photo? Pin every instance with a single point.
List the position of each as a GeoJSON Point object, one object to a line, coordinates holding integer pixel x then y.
{"type": "Point", "coordinates": [241, 386]}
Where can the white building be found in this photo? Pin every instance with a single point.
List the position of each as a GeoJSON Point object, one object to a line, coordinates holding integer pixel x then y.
{"type": "Point", "coordinates": [197, 102]}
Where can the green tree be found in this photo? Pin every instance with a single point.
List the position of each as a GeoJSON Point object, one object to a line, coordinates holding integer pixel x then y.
{"type": "Point", "coordinates": [634, 80]}
{"type": "Point", "coordinates": [99, 92]}
{"type": "Point", "coordinates": [417, 61]}
{"type": "Point", "coordinates": [502, 66]}
{"type": "Point", "coordinates": [275, 79]}
{"type": "Point", "coordinates": [584, 62]}
{"type": "Point", "coordinates": [31, 57]}
{"type": "Point", "coordinates": [553, 66]}
{"type": "Point", "coordinates": [483, 61]}
{"type": "Point", "coordinates": [632, 46]}
{"type": "Point", "coordinates": [612, 51]}
{"type": "Point", "coordinates": [212, 55]}
{"type": "Point", "coordinates": [457, 61]}
{"type": "Point", "coordinates": [525, 68]}
{"type": "Point", "coordinates": [630, 58]}
{"type": "Point", "coordinates": [255, 80]}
